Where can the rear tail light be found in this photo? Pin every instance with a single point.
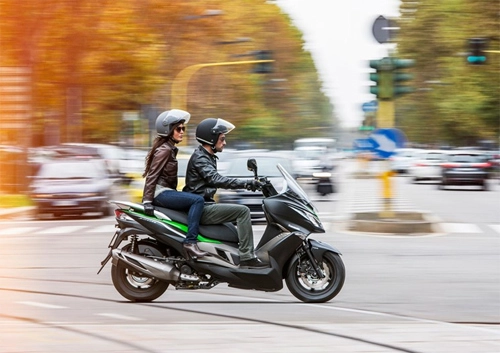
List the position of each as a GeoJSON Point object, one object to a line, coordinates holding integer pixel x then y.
{"type": "Point", "coordinates": [119, 213]}
{"type": "Point", "coordinates": [482, 165]}
{"type": "Point", "coordinates": [449, 165]}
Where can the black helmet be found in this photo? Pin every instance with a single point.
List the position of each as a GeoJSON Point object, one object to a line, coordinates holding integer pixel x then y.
{"type": "Point", "coordinates": [168, 119]}
{"type": "Point", "coordinates": [208, 130]}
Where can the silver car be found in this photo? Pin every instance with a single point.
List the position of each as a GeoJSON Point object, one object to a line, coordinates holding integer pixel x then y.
{"type": "Point", "coordinates": [237, 168]}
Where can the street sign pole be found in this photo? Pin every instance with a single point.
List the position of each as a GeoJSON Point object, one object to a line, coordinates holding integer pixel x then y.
{"type": "Point", "coordinates": [385, 114]}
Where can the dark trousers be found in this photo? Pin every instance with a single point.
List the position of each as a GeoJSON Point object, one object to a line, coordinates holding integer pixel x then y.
{"type": "Point", "coordinates": [221, 213]}
{"type": "Point", "coordinates": [184, 201]}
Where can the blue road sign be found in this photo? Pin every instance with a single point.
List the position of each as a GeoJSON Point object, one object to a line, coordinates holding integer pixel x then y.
{"type": "Point", "coordinates": [363, 145]}
{"type": "Point", "coordinates": [385, 141]}
{"type": "Point", "coordinates": [370, 106]}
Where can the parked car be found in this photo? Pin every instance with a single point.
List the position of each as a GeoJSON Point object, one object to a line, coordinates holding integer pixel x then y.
{"type": "Point", "coordinates": [237, 168]}
{"type": "Point", "coordinates": [465, 168]}
{"type": "Point", "coordinates": [68, 186]}
{"type": "Point", "coordinates": [402, 158]}
{"type": "Point", "coordinates": [427, 165]}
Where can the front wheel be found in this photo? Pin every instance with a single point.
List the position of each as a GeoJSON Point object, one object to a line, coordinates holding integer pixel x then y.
{"type": "Point", "coordinates": [304, 283]}
{"type": "Point", "coordinates": [133, 285]}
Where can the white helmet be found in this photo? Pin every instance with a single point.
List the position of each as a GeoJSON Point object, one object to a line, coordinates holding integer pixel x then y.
{"type": "Point", "coordinates": [168, 119]}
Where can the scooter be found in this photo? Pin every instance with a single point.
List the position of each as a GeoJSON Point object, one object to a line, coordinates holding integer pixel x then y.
{"type": "Point", "coordinates": [324, 182]}
{"type": "Point", "coordinates": [153, 257]}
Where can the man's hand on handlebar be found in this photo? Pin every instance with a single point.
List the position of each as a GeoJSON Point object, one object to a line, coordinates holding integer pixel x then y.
{"type": "Point", "coordinates": [253, 185]}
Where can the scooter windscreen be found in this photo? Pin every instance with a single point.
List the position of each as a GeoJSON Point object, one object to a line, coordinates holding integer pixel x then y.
{"type": "Point", "coordinates": [291, 184]}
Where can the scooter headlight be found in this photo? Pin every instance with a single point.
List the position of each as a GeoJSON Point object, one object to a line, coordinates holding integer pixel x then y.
{"type": "Point", "coordinates": [314, 220]}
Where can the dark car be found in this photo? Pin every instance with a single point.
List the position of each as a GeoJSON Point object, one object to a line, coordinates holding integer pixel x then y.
{"type": "Point", "coordinates": [237, 168]}
{"type": "Point", "coordinates": [465, 168]}
{"type": "Point", "coordinates": [71, 187]}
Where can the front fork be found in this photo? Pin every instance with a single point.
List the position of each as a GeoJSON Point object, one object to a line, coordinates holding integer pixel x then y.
{"type": "Point", "coordinates": [314, 250]}
{"type": "Point", "coordinates": [312, 260]}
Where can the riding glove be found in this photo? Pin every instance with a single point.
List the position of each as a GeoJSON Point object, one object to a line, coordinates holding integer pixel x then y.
{"type": "Point", "coordinates": [149, 208]}
{"type": "Point", "coordinates": [253, 185]}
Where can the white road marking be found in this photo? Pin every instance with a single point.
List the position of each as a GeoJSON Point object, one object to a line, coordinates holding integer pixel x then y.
{"type": "Point", "coordinates": [61, 230]}
{"type": "Point", "coordinates": [43, 305]}
{"type": "Point", "coordinates": [460, 228]}
{"type": "Point", "coordinates": [495, 227]}
{"type": "Point", "coordinates": [120, 317]}
{"type": "Point", "coordinates": [17, 230]}
{"type": "Point", "coordinates": [108, 228]}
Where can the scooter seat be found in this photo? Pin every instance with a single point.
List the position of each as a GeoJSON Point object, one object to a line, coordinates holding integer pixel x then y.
{"type": "Point", "coordinates": [225, 232]}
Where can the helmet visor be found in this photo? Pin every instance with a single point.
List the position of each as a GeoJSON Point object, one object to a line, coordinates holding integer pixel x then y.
{"type": "Point", "coordinates": [222, 127]}
{"type": "Point", "coordinates": [177, 115]}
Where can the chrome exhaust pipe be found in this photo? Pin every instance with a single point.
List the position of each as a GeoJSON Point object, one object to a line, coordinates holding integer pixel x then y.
{"type": "Point", "coordinates": [146, 266]}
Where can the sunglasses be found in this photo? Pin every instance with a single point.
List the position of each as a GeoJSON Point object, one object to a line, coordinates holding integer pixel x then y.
{"type": "Point", "coordinates": [180, 129]}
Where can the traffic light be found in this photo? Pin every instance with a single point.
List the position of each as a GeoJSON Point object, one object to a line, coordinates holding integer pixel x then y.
{"type": "Point", "coordinates": [384, 88]}
{"type": "Point", "coordinates": [263, 67]}
{"type": "Point", "coordinates": [476, 48]}
{"type": "Point", "coordinates": [399, 77]}
{"type": "Point", "coordinates": [389, 77]}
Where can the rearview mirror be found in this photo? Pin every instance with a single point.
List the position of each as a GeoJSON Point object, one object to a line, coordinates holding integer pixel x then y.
{"type": "Point", "coordinates": [252, 166]}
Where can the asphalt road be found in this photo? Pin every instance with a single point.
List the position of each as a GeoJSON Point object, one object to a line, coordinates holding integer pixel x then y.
{"type": "Point", "coordinates": [428, 293]}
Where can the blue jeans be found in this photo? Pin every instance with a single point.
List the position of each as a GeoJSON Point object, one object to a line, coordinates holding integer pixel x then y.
{"type": "Point", "coordinates": [184, 201]}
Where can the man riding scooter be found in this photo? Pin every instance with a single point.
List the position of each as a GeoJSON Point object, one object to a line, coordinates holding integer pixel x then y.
{"type": "Point", "coordinates": [203, 179]}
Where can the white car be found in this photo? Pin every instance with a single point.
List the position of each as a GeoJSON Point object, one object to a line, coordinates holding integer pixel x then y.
{"type": "Point", "coordinates": [427, 165]}
{"type": "Point", "coordinates": [402, 158]}
{"type": "Point", "coordinates": [309, 160]}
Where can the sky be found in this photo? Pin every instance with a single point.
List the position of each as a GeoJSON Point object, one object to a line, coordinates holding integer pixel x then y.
{"type": "Point", "coordinates": [338, 33]}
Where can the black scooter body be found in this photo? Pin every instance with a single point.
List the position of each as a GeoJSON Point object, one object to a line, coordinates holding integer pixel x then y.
{"type": "Point", "coordinates": [313, 271]}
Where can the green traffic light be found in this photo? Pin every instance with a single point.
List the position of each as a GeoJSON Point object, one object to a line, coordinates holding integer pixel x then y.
{"type": "Point", "coordinates": [476, 59]}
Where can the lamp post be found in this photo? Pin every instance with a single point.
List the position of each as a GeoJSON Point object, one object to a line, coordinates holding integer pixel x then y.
{"type": "Point", "coordinates": [178, 97]}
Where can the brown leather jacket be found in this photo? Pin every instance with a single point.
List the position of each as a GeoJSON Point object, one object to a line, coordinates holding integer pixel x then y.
{"type": "Point", "coordinates": [163, 170]}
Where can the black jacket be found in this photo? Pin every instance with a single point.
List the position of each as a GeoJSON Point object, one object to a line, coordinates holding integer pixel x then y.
{"type": "Point", "coordinates": [202, 177]}
{"type": "Point", "coordinates": [163, 170]}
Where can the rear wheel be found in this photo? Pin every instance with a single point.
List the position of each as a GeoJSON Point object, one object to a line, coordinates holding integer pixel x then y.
{"type": "Point", "coordinates": [133, 285]}
{"type": "Point", "coordinates": [304, 283]}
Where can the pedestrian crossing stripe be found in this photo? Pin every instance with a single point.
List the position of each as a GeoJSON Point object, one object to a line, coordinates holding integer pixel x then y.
{"type": "Point", "coordinates": [460, 228]}
{"type": "Point", "coordinates": [62, 230]}
{"type": "Point", "coordinates": [496, 227]}
{"type": "Point", "coordinates": [18, 230]}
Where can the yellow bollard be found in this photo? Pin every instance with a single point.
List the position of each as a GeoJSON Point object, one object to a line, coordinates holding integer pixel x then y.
{"type": "Point", "coordinates": [387, 211]}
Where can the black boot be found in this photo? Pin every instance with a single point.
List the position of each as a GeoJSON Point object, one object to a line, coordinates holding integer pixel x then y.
{"type": "Point", "coordinates": [194, 250]}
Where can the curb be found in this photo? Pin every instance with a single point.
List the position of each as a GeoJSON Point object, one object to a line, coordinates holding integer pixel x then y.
{"type": "Point", "coordinates": [408, 222]}
{"type": "Point", "coordinates": [15, 212]}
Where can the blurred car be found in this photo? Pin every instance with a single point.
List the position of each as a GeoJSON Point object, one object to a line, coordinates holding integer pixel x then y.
{"type": "Point", "coordinates": [427, 165]}
{"type": "Point", "coordinates": [266, 163]}
{"type": "Point", "coordinates": [136, 185]}
{"type": "Point", "coordinates": [68, 186]}
{"type": "Point", "coordinates": [308, 160]}
{"type": "Point", "coordinates": [402, 158]}
{"type": "Point", "coordinates": [111, 154]}
{"type": "Point", "coordinates": [493, 158]}
{"type": "Point", "coordinates": [133, 161]}
{"type": "Point", "coordinates": [465, 168]}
